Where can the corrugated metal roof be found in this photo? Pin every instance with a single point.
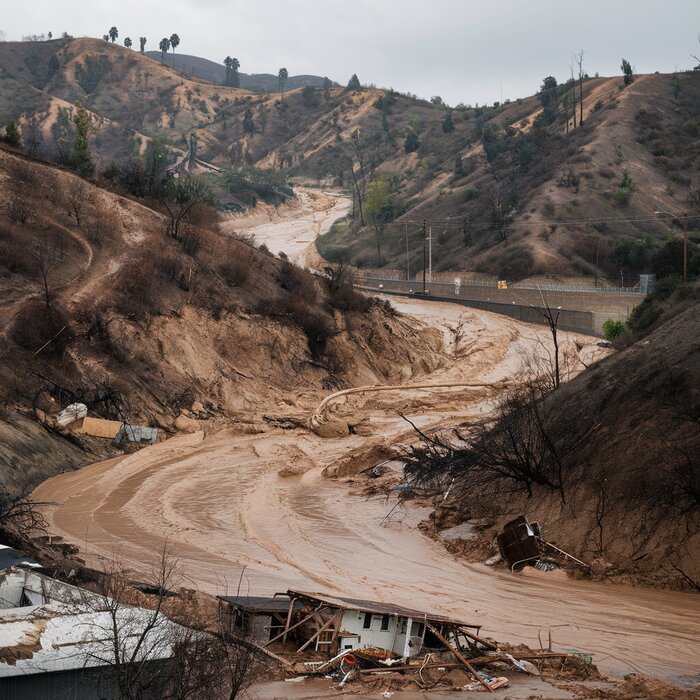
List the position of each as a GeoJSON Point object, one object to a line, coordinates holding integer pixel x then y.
{"type": "Point", "coordinates": [260, 603]}
{"type": "Point", "coordinates": [374, 606]}
{"type": "Point", "coordinates": [59, 636]}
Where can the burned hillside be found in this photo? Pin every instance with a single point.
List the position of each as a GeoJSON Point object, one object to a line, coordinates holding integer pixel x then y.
{"type": "Point", "coordinates": [607, 463]}
{"type": "Point", "coordinates": [154, 313]}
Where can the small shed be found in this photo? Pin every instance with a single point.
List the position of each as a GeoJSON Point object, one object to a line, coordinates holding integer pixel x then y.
{"type": "Point", "coordinates": [136, 434]}
{"type": "Point", "coordinates": [260, 617]}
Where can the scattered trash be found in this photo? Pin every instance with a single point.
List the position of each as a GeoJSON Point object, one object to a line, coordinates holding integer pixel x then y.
{"type": "Point", "coordinates": [71, 413]}
{"type": "Point", "coordinates": [524, 666]}
{"type": "Point", "coordinates": [495, 559]}
{"type": "Point", "coordinates": [387, 694]}
{"type": "Point", "coordinates": [487, 682]}
{"type": "Point", "coordinates": [296, 679]}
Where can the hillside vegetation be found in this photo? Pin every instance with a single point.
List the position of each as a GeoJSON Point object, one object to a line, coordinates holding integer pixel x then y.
{"type": "Point", "coordinates": [507, 189]}
{"type": "Point", "coordinates": [204, 69]}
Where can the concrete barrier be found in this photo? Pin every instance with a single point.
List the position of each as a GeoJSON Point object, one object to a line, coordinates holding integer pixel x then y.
{"type": "Point", "coordinates": [569, 319]}
{"type": "Point", "coordinates": [599, 306]}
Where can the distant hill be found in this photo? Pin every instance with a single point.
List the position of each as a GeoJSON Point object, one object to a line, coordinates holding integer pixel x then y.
{"type": "Point", "coordinates": [505, 191]}
{"type": "Point", "coordinates": [213, 72]}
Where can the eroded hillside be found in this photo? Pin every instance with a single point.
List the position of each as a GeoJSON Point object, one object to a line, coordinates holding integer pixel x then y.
{"type": "Point", "coordinates": [100, 305]}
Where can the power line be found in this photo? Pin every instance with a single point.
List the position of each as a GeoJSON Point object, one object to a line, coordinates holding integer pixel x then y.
{"type": "Point", "coordinates": [455, 222]}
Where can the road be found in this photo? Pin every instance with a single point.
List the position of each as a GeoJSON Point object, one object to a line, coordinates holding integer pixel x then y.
{"type": "Point", "coordinates": [256, 508]}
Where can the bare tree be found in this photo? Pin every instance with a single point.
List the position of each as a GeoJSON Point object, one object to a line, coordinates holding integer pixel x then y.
{"type": "Point", "coordinates": [21, 185]}
{"type": "Point", "coordinates": [46, 255]}
{"type": "Point", "coordinates": [526, 444]}
{"type": "Point", "coordinates": [19, 513]}
{"type": "Point", "coordinates": [502, 211]}
{"type": "Point", "coordinates": [579, 61]}
{"type": "Point", "coordinates": [551, 318]}
{"type": "Point", "coordinates": [78, 196]}
{"type": "Point", "coordinates": [150, 655]}
{"type": "Point", "coordinates": [32, 135]}
{"type": "Point", "coordinates": [130, 641]}
{"type": "Point", "coordinates": [573, 90]}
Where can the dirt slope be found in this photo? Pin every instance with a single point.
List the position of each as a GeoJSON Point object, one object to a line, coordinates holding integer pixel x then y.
{"type": "Point", "coordinates": [114, 313]}
{"type": "Point", "coordinates": [629, 502]}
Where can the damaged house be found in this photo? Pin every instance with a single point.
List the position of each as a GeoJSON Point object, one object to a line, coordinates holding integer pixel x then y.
{"type": "Point", "coordinates": [332, 625]}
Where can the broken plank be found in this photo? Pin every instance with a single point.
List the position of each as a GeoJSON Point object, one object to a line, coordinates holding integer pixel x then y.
{"type": "Point", "coordinates": [459, 657]}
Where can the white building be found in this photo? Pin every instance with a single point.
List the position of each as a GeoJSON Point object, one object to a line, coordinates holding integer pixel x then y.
{"type": "Point", "coordinates": [57, 640]}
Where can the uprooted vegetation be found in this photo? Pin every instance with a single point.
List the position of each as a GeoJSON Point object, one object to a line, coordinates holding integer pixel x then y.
{"type": "Point", "coordinates": [155, 306]}
{"type": "Point", "coordinates": [607, 463]}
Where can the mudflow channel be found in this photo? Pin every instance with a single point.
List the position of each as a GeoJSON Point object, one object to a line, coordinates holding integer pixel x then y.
{"type": "Point", "coordinates": [225, 510]}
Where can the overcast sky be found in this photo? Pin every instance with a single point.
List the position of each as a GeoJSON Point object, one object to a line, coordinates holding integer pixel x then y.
{"type": "Point", "coordinates": [464, 50]}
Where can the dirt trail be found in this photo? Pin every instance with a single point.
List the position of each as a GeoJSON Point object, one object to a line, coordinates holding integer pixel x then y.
{"type": "Point", "coordinates": [224, 508]}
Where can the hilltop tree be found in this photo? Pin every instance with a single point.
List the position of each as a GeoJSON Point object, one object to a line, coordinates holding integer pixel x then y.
{"type": "Point", "coordinates": [142, 41]}
{"type": "Point", "coordinates": [174, 43]}
{"type": "Point", "coordinates": [232, 78]}
{"type": "Point", "coordinates": [626, 71]}
{"type": "Point", "coordinates": [12, 136]}
{"type": "Point", "coordinates": [248, 123]}
{"type": "Point", "coordinates": [548, 97]}
{"type": "Point", "coordinates": [282, 78]}
{"type": "Point", "coordinates": [113, 34]}
{"type": "Point", "coordinates": [127, 42]}
{"type": "Point", "coordinates": [235, 78]}
{"type": "Point", "coordinates": [327, 83]}
{"type": "Point", "coordinates": [164, 47]}
{"type": "Point", "coordinates": [354, 82]}
{"type": "Point", "coordinates": [448, 125]}
{"type": "Point", "coordinates": [105, 37]}
{"type": "Point", "coordinates": [379, 209]}
{"type": "Point", "coordinates": [80, 158]}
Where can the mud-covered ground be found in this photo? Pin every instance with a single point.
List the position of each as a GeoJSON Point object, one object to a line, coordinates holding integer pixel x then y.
{"type": "Point", "coordinates": [257, 506]}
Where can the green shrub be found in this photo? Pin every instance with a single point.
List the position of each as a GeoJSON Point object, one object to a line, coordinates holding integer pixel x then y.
{"type": "Point", "coordinates": [613, 329]}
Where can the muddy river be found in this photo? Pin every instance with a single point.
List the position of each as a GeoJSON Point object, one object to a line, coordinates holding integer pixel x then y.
{"type": "Point", "coordinates": [232, 519]}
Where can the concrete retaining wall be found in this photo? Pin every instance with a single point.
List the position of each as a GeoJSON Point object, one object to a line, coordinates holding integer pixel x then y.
{"type": "Point", "coordinates": [569, 320]}
{"type": "Point", "coordinates": [599, 306]}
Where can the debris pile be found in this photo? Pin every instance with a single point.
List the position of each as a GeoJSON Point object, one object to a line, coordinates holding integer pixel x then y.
{"type": "Point", "coordinates": [367, 646]}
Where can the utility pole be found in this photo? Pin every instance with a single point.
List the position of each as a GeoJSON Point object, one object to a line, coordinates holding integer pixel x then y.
{"type": "Point", "coordinates": [424, 265]}
{"type": "Point", "coordinates": [408, 264]}
{"type": "Point", "coordinates": [430, 255]}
